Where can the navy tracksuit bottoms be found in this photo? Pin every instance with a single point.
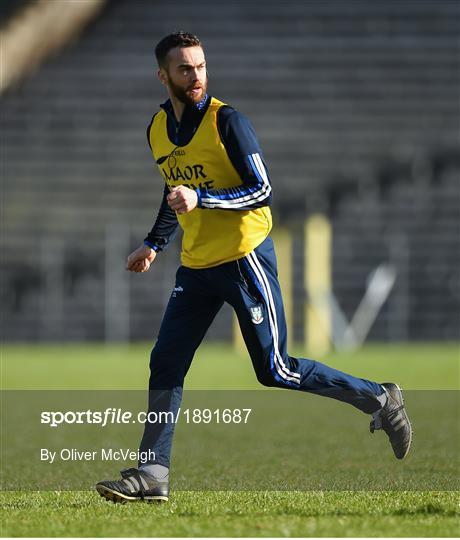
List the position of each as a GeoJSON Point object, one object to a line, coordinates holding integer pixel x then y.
{"type": "Point", "coordinates": [250, 285]}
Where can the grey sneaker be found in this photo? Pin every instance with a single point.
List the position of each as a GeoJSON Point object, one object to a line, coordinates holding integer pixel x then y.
{"type": "Point", "coordinates": [134, 486]}
{"type": "Point", "coordinates": [393, 419]}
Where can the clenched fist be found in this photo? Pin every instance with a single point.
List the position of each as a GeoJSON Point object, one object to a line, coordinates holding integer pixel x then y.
{"type": "Point", "coordinates": [182, 199]}
{"type": "Point", "coordinates": [141, 259]}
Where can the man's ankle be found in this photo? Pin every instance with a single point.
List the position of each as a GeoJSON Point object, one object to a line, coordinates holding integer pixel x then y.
{"type": "Point", "coordinates": [156, 471]}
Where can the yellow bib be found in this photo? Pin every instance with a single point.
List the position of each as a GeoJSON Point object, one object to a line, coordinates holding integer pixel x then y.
{"type": "Point", "coordinates": [211, 236]}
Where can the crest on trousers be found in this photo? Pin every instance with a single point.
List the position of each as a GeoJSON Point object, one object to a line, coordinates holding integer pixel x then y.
{"type": "Point", "coordinates": [256, 314]}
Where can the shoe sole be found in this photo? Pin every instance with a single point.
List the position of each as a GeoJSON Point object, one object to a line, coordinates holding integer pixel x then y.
{"type": "Point", "coordinates": [401, 397]}
{"type": "Point", "coordinates": [117, 497]}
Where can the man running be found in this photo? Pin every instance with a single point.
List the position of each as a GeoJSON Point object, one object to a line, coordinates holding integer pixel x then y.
{"type": "Point", "coordinates": [218, 190]}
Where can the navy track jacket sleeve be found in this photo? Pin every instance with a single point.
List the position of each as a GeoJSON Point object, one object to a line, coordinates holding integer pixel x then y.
{"type": "Point", "coordinates": [243, 149]}
{"type": "Point", "coordinates": [165, 226]}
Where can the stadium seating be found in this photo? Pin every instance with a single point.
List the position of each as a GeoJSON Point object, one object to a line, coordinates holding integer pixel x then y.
{"type": "Point", "coordinates": [347, 98]}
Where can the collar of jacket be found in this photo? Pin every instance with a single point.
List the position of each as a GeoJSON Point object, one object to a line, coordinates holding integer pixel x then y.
{"type": "Point", "coordinates": [190, 111]}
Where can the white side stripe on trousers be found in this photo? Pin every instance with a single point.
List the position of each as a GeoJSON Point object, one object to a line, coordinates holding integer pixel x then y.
{"type": "Point", "coordinates": [281, 368]}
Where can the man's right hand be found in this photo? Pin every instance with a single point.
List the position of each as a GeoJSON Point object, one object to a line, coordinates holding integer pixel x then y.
{"type": "Point", "coordinates": [141, 259]}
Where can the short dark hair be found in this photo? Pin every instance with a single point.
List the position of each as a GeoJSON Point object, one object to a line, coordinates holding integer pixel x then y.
{"type": "Point", "coordinates": [177, 39]}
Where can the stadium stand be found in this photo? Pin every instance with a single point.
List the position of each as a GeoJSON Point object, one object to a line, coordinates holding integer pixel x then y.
{"type": "Point", "coordinates": [36, 31]}
{"type": "Point", "coordinates": [349, 99]}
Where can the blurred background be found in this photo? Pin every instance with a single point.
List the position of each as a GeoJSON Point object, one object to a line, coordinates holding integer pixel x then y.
{"type": "Point", "coordinates": [356, 105]}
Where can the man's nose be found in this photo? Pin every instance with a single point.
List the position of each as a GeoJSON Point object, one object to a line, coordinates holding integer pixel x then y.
{"type": "Point", "coordinates": [194, 74]}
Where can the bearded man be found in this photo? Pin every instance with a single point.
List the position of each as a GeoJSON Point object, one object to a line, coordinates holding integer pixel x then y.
{"type": "Point", "coordinates": [217, 189]}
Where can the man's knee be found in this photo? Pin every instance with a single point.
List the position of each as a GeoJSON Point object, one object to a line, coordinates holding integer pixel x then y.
{"type": "Point", "coordinates": [273, 375]}
{"type": "Point", "coordinates": [162, 364]}
{"type": "Point", "coordinates": [169, 364]}
{"type": "Point", "coordinates": [153, 357]}
{"type": "Point", "coordinates": [266, 377]}
{"type": "Point", "coordinates": [166, 352]}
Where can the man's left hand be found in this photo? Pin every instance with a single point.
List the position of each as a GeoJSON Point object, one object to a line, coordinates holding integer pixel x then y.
{"type": "Point", "coordinates": [182, 199]}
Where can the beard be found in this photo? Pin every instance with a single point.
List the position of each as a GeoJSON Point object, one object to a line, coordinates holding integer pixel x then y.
{"type": "Point", "coordinates": [184, 95]}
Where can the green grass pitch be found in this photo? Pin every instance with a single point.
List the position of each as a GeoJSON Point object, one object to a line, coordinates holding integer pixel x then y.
{"type": "Point", "coordinates": [225, 513]}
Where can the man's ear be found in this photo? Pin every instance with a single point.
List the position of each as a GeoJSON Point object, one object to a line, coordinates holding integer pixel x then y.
{"type": "Point", "coordinates": [161, 73]}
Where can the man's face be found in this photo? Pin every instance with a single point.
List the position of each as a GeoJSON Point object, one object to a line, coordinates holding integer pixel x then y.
{"type": "Point", "coordinates": [185, 75]}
